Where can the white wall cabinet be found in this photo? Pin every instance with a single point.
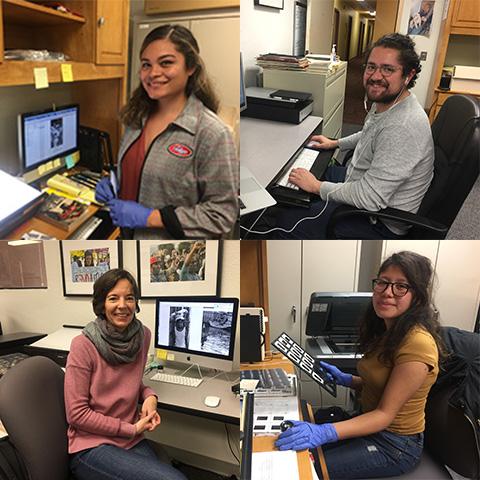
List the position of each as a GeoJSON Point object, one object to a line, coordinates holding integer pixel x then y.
{"type": "Point", "coordinates": [218, 35]}
{"type": "Point", "coordinates": [328, 93]}
{"type": "Point", "coordinates": [296, 269]}
{"type": "Point", "coordinates": [457, 285]}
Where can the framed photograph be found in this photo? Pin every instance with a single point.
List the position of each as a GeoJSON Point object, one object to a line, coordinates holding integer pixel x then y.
{"type": "Point", "coordinates": [179, 267]}
{"type": "Point", "coordinates": [83, 261]}
{"type": "Point", "coordinates": [270, 3]}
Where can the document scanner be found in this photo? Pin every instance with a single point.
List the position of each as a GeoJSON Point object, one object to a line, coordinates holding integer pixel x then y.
{"type": "Point", "coordinates": [278, 105]}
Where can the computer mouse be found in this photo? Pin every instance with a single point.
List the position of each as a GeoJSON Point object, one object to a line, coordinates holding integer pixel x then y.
{"type": "Point", "coordinates": [285, 425]}
{"type": "Point", "coordinates": [212, 401]}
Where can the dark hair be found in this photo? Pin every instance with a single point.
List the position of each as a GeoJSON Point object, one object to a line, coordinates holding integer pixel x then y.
{"type": "Point", "coordinates": [105, 283]}
{"type": "Point", "coordinates": [407, 56]}
{"type": "Point", "coordinates": [419, 273]}
{"type": "Point", "coordinates": [141, 105]}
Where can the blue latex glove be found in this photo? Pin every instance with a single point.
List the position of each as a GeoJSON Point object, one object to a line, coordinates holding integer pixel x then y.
{"type": "Point", "coordinates": [306, 435]}
{"type": "Point", "coordinates": [104, 191]}
{"type": "Point", "coordinates": [344, 379]}
{"type": "Point", "coordinates": [126, 213]}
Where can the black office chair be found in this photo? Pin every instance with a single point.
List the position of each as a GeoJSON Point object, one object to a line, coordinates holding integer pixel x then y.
{"type": "Point", "coordinates": [456, 137]}
{"type": "Point", "coordinates": [33, 411]}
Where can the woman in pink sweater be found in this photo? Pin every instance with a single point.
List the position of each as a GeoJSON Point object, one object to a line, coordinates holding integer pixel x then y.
{"type": "Point", "coordinates": [103, 387]}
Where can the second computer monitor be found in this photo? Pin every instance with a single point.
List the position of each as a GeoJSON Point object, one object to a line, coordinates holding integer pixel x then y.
{"type": "Point", "coordinates": [197, 330]}
{"type": "Point", "coordinates": [47, 135]}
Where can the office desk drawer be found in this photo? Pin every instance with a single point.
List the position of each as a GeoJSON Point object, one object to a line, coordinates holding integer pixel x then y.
{"type": "Point", "coordinates": [332, 126]}
{"type": "Point", "coordinates": [334, 92]}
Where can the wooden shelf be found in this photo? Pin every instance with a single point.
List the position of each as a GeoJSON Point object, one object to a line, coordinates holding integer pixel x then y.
{"type": "Point", "coordinates": [14, 72]}
{"type": "Point", "coordinates": [22, 12]}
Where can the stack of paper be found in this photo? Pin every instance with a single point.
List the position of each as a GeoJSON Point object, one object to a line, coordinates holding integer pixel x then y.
{"type": "Point", "coordinates": [282, 62]}
{"type": "Point", "coordinates": [466, 79]}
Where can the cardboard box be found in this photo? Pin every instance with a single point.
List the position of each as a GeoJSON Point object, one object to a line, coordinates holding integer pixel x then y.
{"type": "Point", "coordinates": [466, 79]}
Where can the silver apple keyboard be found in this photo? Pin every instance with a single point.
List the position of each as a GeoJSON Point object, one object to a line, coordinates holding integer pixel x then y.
{"type": "Point", "coordinates": [305, 159]}
{"type": "Point", "coordinates": [86, 229]}
{"type": "Point", "coordinates": [177, 379]}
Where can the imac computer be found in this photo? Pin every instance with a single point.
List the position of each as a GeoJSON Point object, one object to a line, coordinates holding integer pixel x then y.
{"type": "Point", "coordinates": [243, 97]}
{"type": "Point", "coordinates": [197, 330]}
{"type": "Point", "coordinates": [46, 136]}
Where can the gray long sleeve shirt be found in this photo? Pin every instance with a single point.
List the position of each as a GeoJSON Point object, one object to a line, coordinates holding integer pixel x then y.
{"type": "Point", "coordinates": [392, 165]}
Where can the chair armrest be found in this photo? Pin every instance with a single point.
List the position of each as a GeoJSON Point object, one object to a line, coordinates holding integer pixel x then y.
{"type": "Point", "coordinates": [344, 211]}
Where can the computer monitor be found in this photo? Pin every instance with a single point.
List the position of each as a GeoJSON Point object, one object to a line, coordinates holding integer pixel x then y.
{"type": "Point", "coordinates": [243, 97]}
{"type": "Point", "coordinates": [47, 135]}
{"type": "Point", "coordinates": [197, 330]}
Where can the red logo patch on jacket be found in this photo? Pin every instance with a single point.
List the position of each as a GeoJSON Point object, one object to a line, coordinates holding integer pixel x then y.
{"type": "Point", "coordinates": [180, 150]}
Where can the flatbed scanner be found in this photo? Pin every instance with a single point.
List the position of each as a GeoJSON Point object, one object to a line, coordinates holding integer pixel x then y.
{"type": "Point", "coordinates": [278, 105]}
{"type": "Point", "coordinates": [332, 322]}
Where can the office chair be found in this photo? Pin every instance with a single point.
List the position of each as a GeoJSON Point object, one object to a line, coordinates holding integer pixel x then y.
{"type": "Point", "coordinates": [33, 412]}
{"type": "Point", "coordinates": [456, 138]}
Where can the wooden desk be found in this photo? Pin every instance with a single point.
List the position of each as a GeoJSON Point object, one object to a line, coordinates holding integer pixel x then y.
{"type": "Point", "coordinates": [51, 230]}
{"type": "Point", "coordinates": [266, 443]}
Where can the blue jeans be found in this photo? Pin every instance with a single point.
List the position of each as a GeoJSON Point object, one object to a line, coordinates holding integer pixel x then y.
{"type": "Point", "coordinates": [383, 454]}
{"type": "Point", "coordinates": [316, 229]}
{"type": "Point", "coordinates": [108, 462]}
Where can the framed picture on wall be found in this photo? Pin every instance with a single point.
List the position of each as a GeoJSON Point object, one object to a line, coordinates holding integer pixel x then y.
{"type": "Point", "coordinates": [179, 267]}
{"type": "Point", "coordinates": [270, 3]}
{"type": "Point", "coordinates": [83, 261]}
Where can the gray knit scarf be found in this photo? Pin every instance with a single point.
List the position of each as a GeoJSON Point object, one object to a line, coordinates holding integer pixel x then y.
{"type": "Point", "coordinates": [115, 346]}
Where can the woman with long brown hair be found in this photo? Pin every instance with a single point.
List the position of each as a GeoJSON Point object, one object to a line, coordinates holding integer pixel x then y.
{"type": "Point", "coordinates": [177, 168]}
{"type": "Point", "coordinates": [400, 342]}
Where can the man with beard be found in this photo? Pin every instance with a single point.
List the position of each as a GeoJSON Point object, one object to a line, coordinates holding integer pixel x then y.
{"type": "Point", "coordinates": [392, 164]}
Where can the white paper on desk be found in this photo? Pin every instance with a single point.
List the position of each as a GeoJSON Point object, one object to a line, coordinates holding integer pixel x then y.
{"type": "Point", "coordinates": [274, 465]}
{"type": "Point", "coordinates": [270, 412]}
{"type": "Point", "coordinates": [59, 340]}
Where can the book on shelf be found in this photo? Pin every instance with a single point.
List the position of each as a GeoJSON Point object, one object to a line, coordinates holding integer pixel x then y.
{"type": "Point", "coordinates": [62, 212]}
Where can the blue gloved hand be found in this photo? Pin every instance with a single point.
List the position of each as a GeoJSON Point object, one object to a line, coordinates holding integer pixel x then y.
{"type": "Point", "coordinates": [344, 379]}
{"type": "Point", "coordinates": [306, 435]}
{"type": "Point", "coordinates": [104, 191]}
{"type": "Point", "coordinates": [125, 213]}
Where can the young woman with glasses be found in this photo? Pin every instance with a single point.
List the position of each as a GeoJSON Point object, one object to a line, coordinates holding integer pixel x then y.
{"type": "Point", "coordinates": [400, 344]}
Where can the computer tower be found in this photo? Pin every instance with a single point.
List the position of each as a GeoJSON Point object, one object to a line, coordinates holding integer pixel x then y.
{"type": "Point", "coordinates": [252, 335]}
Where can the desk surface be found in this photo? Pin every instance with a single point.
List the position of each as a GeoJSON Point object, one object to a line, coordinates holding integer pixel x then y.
{"type": "Point", "coordinates": [19, 339]}
{"type": "Point", "coordinates": [266, 146]}
{"type": "Point", "coordinates": [266, 443]}
{"type": "Point", "coordinates": [190, 400]}
{"type": "Point", "coordinates": [42, 226]}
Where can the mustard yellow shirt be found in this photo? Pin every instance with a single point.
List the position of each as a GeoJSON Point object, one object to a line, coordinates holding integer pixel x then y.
{"type": "Point", "coordinates": [418, 346]}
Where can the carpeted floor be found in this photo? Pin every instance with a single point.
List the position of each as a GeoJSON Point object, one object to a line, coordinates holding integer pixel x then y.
{"type": "Point", "coordinates": [354, 111]}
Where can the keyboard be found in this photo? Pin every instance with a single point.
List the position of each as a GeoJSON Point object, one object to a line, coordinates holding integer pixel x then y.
{"type": "Point", "coordinates": [306, 159]}
{"type": "Point", "coordinates": [177, 379]}
{"type": "Point", "coordinates": [86, 229]}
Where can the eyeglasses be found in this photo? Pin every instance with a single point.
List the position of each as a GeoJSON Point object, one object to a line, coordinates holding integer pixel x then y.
{"type": "Point", "coordinates": [398, 289]}
{"type": "Point", "coordinates": [385, 70]}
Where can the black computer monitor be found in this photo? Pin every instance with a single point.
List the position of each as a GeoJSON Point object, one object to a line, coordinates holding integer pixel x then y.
{"type": "Point", "coordinates": [47, 135]}
{"type": "Point", "coordinates": [197, 330]}
{"type": "Point", "coordinates": [243, 98]}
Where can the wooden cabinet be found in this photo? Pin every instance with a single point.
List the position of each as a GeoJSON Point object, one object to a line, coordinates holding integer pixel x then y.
{"type": "Point", "coordinates": [169, 6]}
{"type": "Point", "coordinates": [466, 17]}
{"type": "Point", "coordinates": [95, 41]}
{"type": "Point", "coordinates": [462, 23]}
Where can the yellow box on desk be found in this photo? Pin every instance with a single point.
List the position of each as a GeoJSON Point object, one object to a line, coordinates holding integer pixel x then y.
{"type": "Point", "coordinates": [466, 79]}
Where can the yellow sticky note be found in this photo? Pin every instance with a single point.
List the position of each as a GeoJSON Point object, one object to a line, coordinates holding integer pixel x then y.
{"type": "Point", "coordinates": [161, 354]}
{"type": "Point", "coordinates": [76, 156]}
{"type": "Point", "coordinates": [49, 165]}
{"type": "Point", "coordinates": [41, 77]}
{"type": "Point", "coordinates": [56, 163]}
{"type": "Point", "coordinates": [170, 357]}
{"type": "Point", "coordinates": [67, 73]}
{"type": "Point", "coordinates": [41, 169]}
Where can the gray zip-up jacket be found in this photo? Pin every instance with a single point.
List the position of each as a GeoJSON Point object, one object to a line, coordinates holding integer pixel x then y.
{"type": "Point", "coordinates": [191, 174]}
{"type": "Point", "coordinates": [392, 165]}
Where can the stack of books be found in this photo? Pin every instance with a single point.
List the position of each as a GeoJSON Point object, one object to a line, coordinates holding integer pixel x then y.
{"type": "Point", "coordinates": [62, 212]}
{"type": "Point", "coordinates": [283, 62]}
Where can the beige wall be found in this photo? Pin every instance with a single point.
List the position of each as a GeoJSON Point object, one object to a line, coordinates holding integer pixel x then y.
{"type": "Point", "coordinates": [46, 310]}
